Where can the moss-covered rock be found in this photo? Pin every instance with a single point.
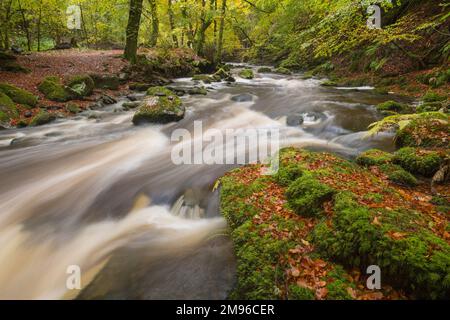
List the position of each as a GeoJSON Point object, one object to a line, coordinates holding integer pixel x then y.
{"type": "Point", "coordinates": [73, 108]}
{"type": "Point", "coordinates": [53, 89]}
{"type": "Point", "coordinates": [103, 81]}
{"type": "Point", "coordinates": [161, 106]}
{"type": "Point", "coordinates": [12, 66]}
{"type": "Point", "coordinates": [139, 86]}
{"type": "Point", "coordinates": [306, 195]}
{"type": "Point", "coordinates": [202, 77]}
{"type": "Point", "coordinates": [81, 86]}
{"type": "Point", "coordinates": [399, 175]}
{"type": "Point", "coordinates": [282, 70]}
{"type": "Point", "coordinates": [329, 83]}
{"type": "Point", "coordinates": [222, 74]}
{"type": "Point", "coordinates": [8, 109]}
{"type": "Point", "coordinates": [374, 157]}
{"type": "Point", "coordinates": [19, 95]}
{"type": "Point", "coordinates": [246, 74]}
{"type": "Point", "coordinates": [430, 107]}
{"type": "Point", "coordinates": [408, 254]}
{"type": "Point", "coordinates": [265, 70]}
{"type": "Point", "coordinates": [43, 117]}
{"type": "Point", "coordinates": [424, 162]}
{"type": "Point", "coordinates": [393, 106]}
{"type": "Point", "coordinates": [430, 130]}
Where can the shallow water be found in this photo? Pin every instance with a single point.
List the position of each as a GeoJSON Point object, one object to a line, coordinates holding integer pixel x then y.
{"type": "Point", "coordinates": [105, 195]}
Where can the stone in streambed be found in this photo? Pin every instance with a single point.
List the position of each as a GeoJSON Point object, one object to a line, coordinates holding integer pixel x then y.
{"type": "Point", "coordinates": [103, 81]}
{"type": "Point", "coordinates": [247, 74]}
{"type": "Point", "coordinates": [244, 97]}
{"type": "Point", "coordinates": [294, 120]}
{"type": "Point", "coordinates": [43, 117]}
{"type": "Point", "coordinates": [81, 86]}
{"type": "Point", "coordinates": [53, 90]}
{"type": "Point", "coordinates": [160, 106]}
{"type": "Point", "coordinates": [8, 109]}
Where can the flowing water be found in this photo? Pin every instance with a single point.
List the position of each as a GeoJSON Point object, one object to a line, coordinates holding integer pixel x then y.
{"type": "Point", "coordinates": [97, 192]}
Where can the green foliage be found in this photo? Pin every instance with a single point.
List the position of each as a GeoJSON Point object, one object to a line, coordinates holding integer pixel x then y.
{"type": "Point", "coordinates": [306, 195]}
{"type": "Point", "coordinates": [374, 157]}
{"type": "Point", "coordinates": [418, 161]}
{"type": "Point", "coordinates": [431, 96]}
{"type": "Point", "coordinates": [287, 173]}
{"type": "Point", "coordinates": [300, 293]}
{"type": "Point", "coordinates": [19, 95]}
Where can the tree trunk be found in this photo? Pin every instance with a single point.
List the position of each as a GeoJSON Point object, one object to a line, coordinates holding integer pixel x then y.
{"type": "Point", "coordinates": [218, 57]}
{"type": "Point", "coordinates": [86, 38]}
{"type": "Point", "coordinates": [172, 22]}
{"type": "Point", "coordinates": [39, 27]}
{"type": "Point", "coordinates": [25, 25]}
{"type": "Point", "coordinates": [134, 20]}
{"type": "Point", "coordinates": [205, 22]}
{"type": "Point", "coordinates": [155, 23]}
{"type": "Point", "coordinates": [189, 30]}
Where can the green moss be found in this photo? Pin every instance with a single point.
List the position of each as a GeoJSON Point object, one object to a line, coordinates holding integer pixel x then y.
{"type": "Point", "coordinates": [429, 107]}
{"type": "Point", "coordinates": [428, 131]}
{"type": "Point", "coordinates": [139, 86]}
{"type": "Point", "coordinates": [431, 96]}
{"type": "Point", "coordinates": [81, 85]}
{"type": "Point", "coordinates": [162, 106]}
{"type": "Point", "coordinates": [393, 106]}
{"type": "Point", "coordinates": [417, 261]}
{"type": "Point", "coordinates": [19, 95]}
{"type": "Point", "coordinates": [110, 82]}
{"type": "Point", "coordinates": [338, 284]}
{"type": "Point", "coordinates": [288, 172]}
{"type": "Point", "coordinates": [264, 70]}
{"type": "Point", "coordinates": [8, 109]}
{"type": "Point", "coordinates": [247, 74]}
{"type": "Point", "coordinates": [12, 66]}
{"type": "Point", "coordinates": [300, 293]}
{"type": "Point", "coordinates": [329, 83]}
{"type": "Point", "coordinates": [403, 177]}
{"type": "Point", "coordinates": [73, 108]}
{"type": "Point", "coordinates": [306, 195]}
{"type": "Point", "coordinates": [42, 118]}
{"type": "Point", "coordinates": [418, 161]}
{"type": "Point", "coordinates": [374, 157]}
{"type": "Point", "coordinates": [53, 90]}
{"type": "Point", "coordinates": [282, 70]}
{"type": "Point", "coordinates": [202, 77]}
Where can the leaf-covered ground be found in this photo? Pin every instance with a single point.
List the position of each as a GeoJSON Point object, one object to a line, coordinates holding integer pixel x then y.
{"type": "Point", "coordinates": [310, 231]}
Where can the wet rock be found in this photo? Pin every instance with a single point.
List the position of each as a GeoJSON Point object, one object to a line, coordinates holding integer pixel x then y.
{"type": "Point", "coordinates": [134, 97]}
{"type": "Point", "coordinates": [73, 108]}
{"type": "Point", "coordinates": [19, 95]}
{"type": "Point", "coordinates": [294, 120]}
{"type": "Point", "coordinates": [53, 89]}
{"type": "Point", "coordinates": [131, 105]}
{"type": "Point", "coordinates": [43, 117]}
{"type": "Point", "coordinates": [107, 100]}
{"type": "Point", "coordinates": [244, 97]}
{"type": "Point", "coordinates": [28, 114]}
{"type": "Point", "coordinates": [247, 74]}
{"type": "Point", "coordinates": [81, 86]}
{"type": "Point", "coordinates": [161, 106]}
{"type": "Point", "coordinates": [103, 81]}
{"type": "Point", "coordinates": [283, 71]}
{"type": "Point", "coordinates": [96, 105]}
{"type": "Point", "coordinates": [265, 70]}
{"type": "Point", "coordinates": [139, 86]}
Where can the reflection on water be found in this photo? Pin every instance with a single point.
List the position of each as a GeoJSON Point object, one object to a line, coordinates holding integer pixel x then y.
{"type": "Point", "coordinates": [104, 195]}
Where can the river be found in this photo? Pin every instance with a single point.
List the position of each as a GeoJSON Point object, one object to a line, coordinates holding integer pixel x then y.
{"type": "Point", "coordinates": [97, 192]}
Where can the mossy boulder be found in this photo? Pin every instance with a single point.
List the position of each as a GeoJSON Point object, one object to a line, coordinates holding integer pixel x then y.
{"type": "Point", "coordinates": [222, 74]}
{"type": "Point", "coordinates": [374, 157]}
{"type": "Point", "coordinates": [265, 70]}
{"type": "Point", "coordinates": [81, 86]}
{"type": "Point", "coordinates": [393, 106]}
{"type": "Point", "coordinates": [19, 95]}
{"type": "Point", "coordinates": [282, 70]}
{"type": "Point", "coordinates": [246, 74]}
{"type": "Point", "coordinates": [430, 130]}
{"type": "Point", "coordinates": [288, 172]}
{"type": "Point", "coordinates": [420, 161]}
{"type": "Point", "coordinates": [73, 108]}
{"type": "Point", "coordinates": [103, 81]}
{"type": "Point", "coordinates": [430, 107]}
{"type": "Point", "coordinates": [399, 175]}
{"type": "Point", "coordinates": [161, 106]}
{"type": "Point", "coordinates": [54, 90]}
{"type": "Point", "coordinates": [408, 254]}
{"type": "Point", "coordinates": [306, 195]}
{"type": "Point", "coordinates": [12, 66]}
{"type": "Point", "coordinates": [41, 118]}
{"type": "Point", "coordinates": [202, 77]}
{"type": "Point", "coordinates": [8, 109]}
{"type": "Point", "coordinates": [329, 83]}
